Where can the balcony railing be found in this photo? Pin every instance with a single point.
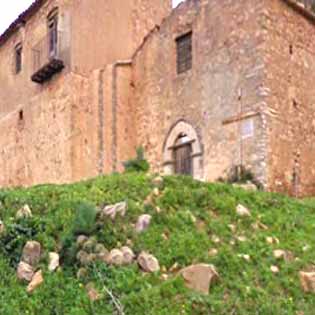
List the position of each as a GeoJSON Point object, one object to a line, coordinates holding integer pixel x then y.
{"type": "Point", "coordinates": [47, 58]}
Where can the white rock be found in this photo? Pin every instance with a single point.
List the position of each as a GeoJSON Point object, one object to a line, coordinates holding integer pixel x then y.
{"type": "Point", "coordinates": [242, 211]}
{"type": "Point", "coordinates": [307, 280]}
{"type": "Point", "coordinates": [213, 252]}
{"type": "Point", "coordinates": [143, 223]}
{"type": "Point", "coordinates": [116, 257]}
{"type": "Point", "coordinates": [148, 263]}
{"type": "Point", "coordinates": [128, 255]}
{"type": "Point", "coordinates": [36, 282]}
{"type": "Point", "coordinates": [199, 277]}
{"type": "Point", "coordinates": [24, 213]}
{"type": "Point", "coordinates": [31, 253]}
{"type": "Point", "coordinates": [272, 240]}
{"type": "Point", "coordinates": [112, 210]}
{"type": "Point", "coordinates": [53, 261]}
{"type": "Point", "coordinates": [274, 269]}
{"type": "Point", "coordinates": [25, 272]}
{"type": "Point", "coordinates": [242, 238]}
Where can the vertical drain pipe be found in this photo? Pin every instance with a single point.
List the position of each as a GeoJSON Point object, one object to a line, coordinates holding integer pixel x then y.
{"type": "Point", "coordinates": [114, 110]}
{"type": "Point", "coordinates": [101, 121]}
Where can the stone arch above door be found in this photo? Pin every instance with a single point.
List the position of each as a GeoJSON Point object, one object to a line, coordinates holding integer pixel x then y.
{"type": "Point", "coordinates": [187, 131]}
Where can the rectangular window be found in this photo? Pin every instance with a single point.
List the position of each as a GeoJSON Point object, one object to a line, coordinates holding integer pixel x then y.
{"type": "Point", "coordinates": [247, 128]}
{"type": "Point", "coordinates": [18, 58]}
{"type": "Point", "coordinates": [184, 52]}
{"type": "Point", "coordinates": [53, 36]}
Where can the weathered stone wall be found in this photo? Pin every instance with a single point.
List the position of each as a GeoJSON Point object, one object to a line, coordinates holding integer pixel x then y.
{"type": "Point", "coordinates": [290, 75]}
{"type": "Point", "coordinates": [79, 123]}
{"type": "Point", "coordinates": [221, 92]}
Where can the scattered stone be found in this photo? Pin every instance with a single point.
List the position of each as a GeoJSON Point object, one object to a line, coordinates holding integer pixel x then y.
{"type": "Point", "coordinates": [199, 277]}
{"type": "Point", "coordinates": [272, 240]}
{"type": "Point", "coordinates": [213, 252]}
{"type": "Point", "coordinates": [164, 277]}
{"type": "Point", "coordinates": [215, 239]}
{"type": "Point", "coordinates": [156, 192]}
{"type": "Point", "coordinates": [158, 210]}
{"type": "Point", "coordinates": [24, 213]}
{"type": "Point", "coordinates": [148, 263]}
{"type": "Point", "coordinates": [92, 293]}
{"type": "Point", "coordinates": [81, 239]}
{"type": "Point", "coordinates": [53, 262]}
{"type": "Point", "coordinates": [89, 245]}
{"type": "Point", "coordinates": [307, 280]}
{"type": "Point", "coordinates": [103, 256]}
{"type": "Point", "coordinates": [31, 253]}
{"type": "Point", "coordinates": [143, 223]}
{"type": "Point", "coordinates": [82, 273]}
{"type": "Point", "coordinates": [2, 227]}
{"type": "Point", "coordinates": [248, 186]}
{"type": "Point", "coordinates": [274, 269]}
{"type": "Point", "coordinates": [36, 282]}
{"type": "Point", "coordinates": [100, 248]}
{"type": "Point", "coordinates": [175, 267]}
{"type": "Point", "coordinates": [306, 248]}
{"type": "Point", "coordinates": [244, 256]}
{"type": "Point", "coordinates": [25, 272]}
{"type": "Point", "coordinates": [283, 254]}
{"type": "Point", "coordinates": [241, 238]}
{"type": "Point", "coordinates": [112, 210]}
{"type": "Point", "coordinates": [232, 227]}
{"type": "Point", "coordinates": [116, 257]}
{"type": "Point", "coordinates": [83, 258]}
{"type": "Point", "coordinates": [128, 255]}
{"type": "Point", "coordinates": [242, 211]}
{"type": "Point", "coordinates": [158, 182]}
{"type": "Point", "coordinates": [259, 225]}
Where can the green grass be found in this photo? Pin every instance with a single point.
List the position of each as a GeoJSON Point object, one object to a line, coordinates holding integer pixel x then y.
{"type": "Point", "coordinates": [192, 213]}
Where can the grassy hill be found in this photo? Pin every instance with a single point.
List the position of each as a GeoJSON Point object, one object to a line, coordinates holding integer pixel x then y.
{"type": "Point", "coordinates": [189, 220]}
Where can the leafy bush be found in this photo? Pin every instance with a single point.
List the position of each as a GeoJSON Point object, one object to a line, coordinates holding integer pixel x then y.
{"type": "Point", "coordinates": [139, 164]}
{"type": "Point", "coordinates": [84, 220]}
{"type": "Point", "coordinates": [83, 223]}
{"type": "Point", "coordinates": [16, 236]}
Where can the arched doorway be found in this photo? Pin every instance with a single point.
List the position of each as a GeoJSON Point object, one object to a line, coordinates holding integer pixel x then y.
{"type": "Point", "coordinates": [183, 151]}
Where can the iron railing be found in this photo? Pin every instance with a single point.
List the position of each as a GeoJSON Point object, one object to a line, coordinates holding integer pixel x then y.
{"type": "Point", "coordinates": [46, 50]}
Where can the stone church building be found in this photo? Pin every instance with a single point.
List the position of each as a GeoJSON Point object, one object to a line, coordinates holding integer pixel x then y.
{"type": "Point", "coordinates": [205, 88]}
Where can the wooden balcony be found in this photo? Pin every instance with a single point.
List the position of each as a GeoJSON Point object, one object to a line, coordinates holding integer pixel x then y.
{"type": "Point", "coordinates": [47, 59]}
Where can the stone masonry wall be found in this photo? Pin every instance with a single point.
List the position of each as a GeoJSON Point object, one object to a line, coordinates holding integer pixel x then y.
{"type": "Point", "coordinates": [79, 124]}
{"type": "Point", "coordinates": [221, 93]}
{"type": "Point", "coordinates": [290, 75]}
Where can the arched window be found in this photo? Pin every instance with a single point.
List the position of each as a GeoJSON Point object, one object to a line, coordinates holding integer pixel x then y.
{"type": "Point", "coordinates": [182, 155]}
{"type": "Point", "coordinates": [183, 151]}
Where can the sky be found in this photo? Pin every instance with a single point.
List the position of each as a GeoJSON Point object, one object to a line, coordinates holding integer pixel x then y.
{"type": "Point", "coordinates": [9, 11]}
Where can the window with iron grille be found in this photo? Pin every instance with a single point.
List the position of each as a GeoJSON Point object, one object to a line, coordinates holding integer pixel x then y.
{"type": "Point", "coordinates": [18, 58]}
{"type": "Point", "coordinates": [53, 34]}
{"type": "Point", "coordinates": [184, 52]}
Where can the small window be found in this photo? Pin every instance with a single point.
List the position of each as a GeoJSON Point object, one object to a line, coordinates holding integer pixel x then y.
{"type": "Point", "coordinates": [53, 34]}
{"type": "Point", "coordinates": [184, 52]}
{"type": "Point", "coordinates": [247, 128]}
{"type": "Point", "coordinates": [18, 58]}
{"type": "Point", "coordinates": [21, 115]}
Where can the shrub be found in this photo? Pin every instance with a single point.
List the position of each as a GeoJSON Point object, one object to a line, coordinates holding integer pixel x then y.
{"type": "Point", "coordinates": [83, 223]}
{"type": "Point", "coordinates": [84, 220]}
{"type": "Point", "coordinates": [139, 164]}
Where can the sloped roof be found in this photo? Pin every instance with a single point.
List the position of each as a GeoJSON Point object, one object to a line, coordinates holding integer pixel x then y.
{"type": "Point", "coordinates": [21, 19]}
{"type": "Point", "coordinates": [36, 5]}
